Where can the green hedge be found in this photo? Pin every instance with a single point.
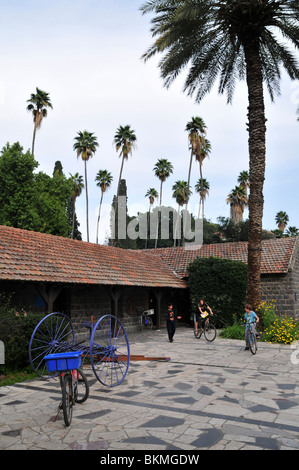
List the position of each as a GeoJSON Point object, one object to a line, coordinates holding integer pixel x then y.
{"type": "Point", "coordinates": [222, 284]}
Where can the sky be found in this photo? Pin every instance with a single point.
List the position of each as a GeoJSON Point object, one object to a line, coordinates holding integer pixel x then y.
{"type": "Point", "coordinates": [87, 55]}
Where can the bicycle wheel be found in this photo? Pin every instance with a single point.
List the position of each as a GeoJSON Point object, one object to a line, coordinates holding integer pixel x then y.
{"type": "Point", "coordinates": [198, 333]}
{"type": "Point", "coordinates": [54, 333]}
{"type": "Point", "coordinates": [149, 324]}
{"type": "Point", "coordinates": [67, 398]}
{"type": "Point", "coordinates": [81, 388]}
{"type": "Point", "coordinates": [210, 332]}
{"type": "Point", "coordinates": [109, 351]}
{"type": "Point", "coordinates": [252, 342]}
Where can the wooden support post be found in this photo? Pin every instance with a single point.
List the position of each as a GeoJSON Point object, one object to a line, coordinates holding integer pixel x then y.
{"type": "Point", "coordinates": [49, 294]}
{"type": "Point", "coordinates": [158, 295]}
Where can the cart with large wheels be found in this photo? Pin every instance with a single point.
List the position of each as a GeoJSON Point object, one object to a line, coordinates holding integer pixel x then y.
{"type": "Point", "coordinates": [109, 349]}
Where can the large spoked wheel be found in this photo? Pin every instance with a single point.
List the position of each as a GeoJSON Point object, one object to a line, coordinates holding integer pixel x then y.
{"type": "Point", "coordinates": [54, 333]}
{"type": "Point", "coordinates": [252, 342]}
{"type": "Point", "coordinates": [210, 332]}
{"type": "Point", "coordinates": [109, 351]}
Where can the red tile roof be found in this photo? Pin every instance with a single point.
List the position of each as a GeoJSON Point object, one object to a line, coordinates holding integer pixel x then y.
{"type": "Point", "coordinates": [277, 255]}
{"type": "Point", "coordinates": [32, 256]}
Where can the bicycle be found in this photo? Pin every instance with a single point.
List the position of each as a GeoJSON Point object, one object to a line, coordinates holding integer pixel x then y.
{"type": "Point", "coordinates": [252, 338]}
{"type": "Point", "coordinates": [73, 382]}
{"type": "Point", "coordinates": [145, 320]}
{"type": "Point", "coordinates": [207, 328]}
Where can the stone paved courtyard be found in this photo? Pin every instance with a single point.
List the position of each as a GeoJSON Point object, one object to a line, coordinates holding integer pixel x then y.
{"type": "Point", "coordinates": [207, 396]}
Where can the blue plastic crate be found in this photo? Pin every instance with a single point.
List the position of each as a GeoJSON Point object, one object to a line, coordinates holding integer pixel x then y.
{"type": "Point", "coordinates": [63, 361]}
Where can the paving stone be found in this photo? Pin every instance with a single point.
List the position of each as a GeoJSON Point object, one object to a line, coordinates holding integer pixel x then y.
{"type": "Point", "coordinates": [208, 438]}
{"type": "Point", "coordinates": [217, 398]}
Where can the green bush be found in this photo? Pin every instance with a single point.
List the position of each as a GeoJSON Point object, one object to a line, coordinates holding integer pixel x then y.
{"type": "Point", "coordinates": [277, 328]}
{"type": "Point", "coordinates": [222, 284]}
{"type": "Point", "coordinates": [16, 327]}
{"type": "Point", "coordinates": [235, 331]}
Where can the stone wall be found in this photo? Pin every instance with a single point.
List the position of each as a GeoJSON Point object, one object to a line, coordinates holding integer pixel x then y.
{"type": "Point", "coordinates": [284, 289]}
{"type": "Point", "coordinates": [96, 302]}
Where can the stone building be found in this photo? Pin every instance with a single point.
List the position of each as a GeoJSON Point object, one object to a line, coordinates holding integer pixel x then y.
{"type": "Point", "coordinates": [47, 273]}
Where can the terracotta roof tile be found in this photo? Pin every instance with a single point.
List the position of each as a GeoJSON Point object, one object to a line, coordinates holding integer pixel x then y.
{"type": "Point", "coordinates": [32, 256]}
{"type": "Point", "coordinates": [276, 255]}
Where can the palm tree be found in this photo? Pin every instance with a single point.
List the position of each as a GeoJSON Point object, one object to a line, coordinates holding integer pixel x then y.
{"type": "Point", "coordinates": [243, 180]}
{"type": "Point", "coordinates": [152, 194]}
{"type": "Point", "coordinates": [203, 153]}
{"type": "Point", "coordinates": [238, 201]}
{"type": "Point", "coordinates": [163, 170]}
{"type": "Point", "coordinates": [85, 145]}
{"type": "Point", "coordinates": [38, 104]}
{"type": "Point", "coordinates": [181, 192]}
{"type": "Point", "coordinates": [231, 40]}
{"type": "Point", "coordinates": [292, 232]}
{"type": "Point", "coordinates": [202, 187]}
{"type": "Point", "coordinates": [282, 219]}
{"type": "Point", "coordinates": [104, 180]}
{"type": "Point", "coordinates": [124, 141]}
{"type": "Point", "coordinates": [78, 185]}
{"type": "Point", "coordinates": [196, 134]}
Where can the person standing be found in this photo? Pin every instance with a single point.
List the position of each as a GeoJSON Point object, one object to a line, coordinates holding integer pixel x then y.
{"type": "Point", "coordinates": [250, 318]}
{"type": "Point", "coordinates": [171, 318]}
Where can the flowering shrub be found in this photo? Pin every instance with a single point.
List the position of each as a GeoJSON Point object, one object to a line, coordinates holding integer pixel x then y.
{"type": "Point", "coordinates": [274, 328]}
{"type": "Point", "coordinates": [277, 328]}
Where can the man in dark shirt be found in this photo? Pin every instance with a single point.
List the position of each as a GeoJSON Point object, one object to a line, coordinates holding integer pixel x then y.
{"type": "Point", "coordinates": [170, 321]}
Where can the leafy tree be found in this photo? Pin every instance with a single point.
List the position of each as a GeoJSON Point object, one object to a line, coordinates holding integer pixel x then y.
{"type": "Point", "coordinates": [17, 182]}
{"type": "Point", "coordinates": [86, 145]}
{"type": "Point", "coordinates": [38, 104]}
{"type": "Point", "coordinates": [32, 201]}
{"type": "Point", "coordinates": [231, 40]}
{"type": "Point", "coordinates": [51, 202]}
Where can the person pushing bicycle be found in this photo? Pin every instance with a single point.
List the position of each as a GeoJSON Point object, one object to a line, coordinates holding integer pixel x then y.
{"type": "Point", "coordinates": [251, 318]}
{"type": "Point", "coordinates": [201, 314]}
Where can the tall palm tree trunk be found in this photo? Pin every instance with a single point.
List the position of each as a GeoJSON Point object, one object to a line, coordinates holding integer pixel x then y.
{"type": "Point", "coordinates": [99, 216]}
{"type": "Point", "coordinates": [73, 221]}
{"type": "Point", "coordinates": [257, 163]}
{"type": "Point", "coordinates": [33, 139]}
{"type": "Point", "coordinates": [188, 182]}
{"type": "Point", "coordinates": [86, 192]}
{"type": "Point", "coordinates": [120, 174]}
{"type": "Point", "coordinates": [159, 216]}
